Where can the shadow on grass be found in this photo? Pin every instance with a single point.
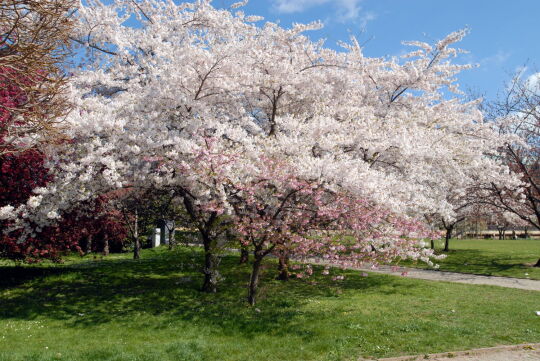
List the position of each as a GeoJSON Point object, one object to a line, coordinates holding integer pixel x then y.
{"type": "Point", "coordinates": [166, 284]}
{"type": "Point", "coordinates": [475, 261]}
{"type": "Point", "coordinates": [13, 276]}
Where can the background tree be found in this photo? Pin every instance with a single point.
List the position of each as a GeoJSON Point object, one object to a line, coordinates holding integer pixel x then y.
{"type": "Point", "coordinates": [461, 206]}
{"type": "Point", "coordinates": [517, 113]}
{"type": "Point", "coordinates": [33, 47]}
{"type": "Point", "coordinates": [34, 42]}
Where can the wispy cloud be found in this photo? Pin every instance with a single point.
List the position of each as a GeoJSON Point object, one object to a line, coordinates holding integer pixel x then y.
{"type": "Point", "coordinates": [366, 18]}
{"type": "Point", "coordinates": [296, 6]}
{"type": "Point", "coordinates": [345, 10]}
{"type": "Point", "coordinates": [497, 59]}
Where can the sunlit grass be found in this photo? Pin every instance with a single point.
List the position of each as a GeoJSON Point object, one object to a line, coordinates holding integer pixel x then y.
{"type": "Point", "coordinates": [120, 309]}
{"type": "Point", "coordinates": [509, 258]}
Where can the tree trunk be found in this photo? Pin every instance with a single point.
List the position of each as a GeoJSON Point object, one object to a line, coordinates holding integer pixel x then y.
{"type": "Point", "coordinates": [137, 249]}
{"type": "Point", "coordinates": [254, 279]}
{"type": "Point", "coordinates": [172, 241]}
{"type": "Point", "coordinates": [432, 244]}
{"type": "Point", "coordinates": [106, 246]}
{"type": "Point", "coordinates": [136, 241]}
{"type": "Point", "coordinates": [211, 262]}
{"type": "Point", "coordinates": [283, 268]}
{"type": "Point", "coordinates": [244, 255]}
{"type": "Point", "coordinates": [447, 238]}
{"type": "Point", "coordinates": [537, 263]}
{"type": "Point", "coordinates": [88, 245]}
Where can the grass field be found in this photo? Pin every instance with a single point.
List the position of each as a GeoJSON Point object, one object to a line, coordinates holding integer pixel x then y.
{"type": "Point", "coordinates": [120, 309]}
{"type": "Point", "coordinates": [509, 258]}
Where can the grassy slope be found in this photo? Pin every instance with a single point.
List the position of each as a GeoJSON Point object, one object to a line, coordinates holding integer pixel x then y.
{"type": "Point", "coordinates": [119, 309]}
{"type": "Point", "coordinates": [510, 258]}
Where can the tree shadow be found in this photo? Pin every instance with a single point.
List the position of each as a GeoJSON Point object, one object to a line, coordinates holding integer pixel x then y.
{"type": "Point", "coordinates": [13, 276]}
{"type": "Point", "coordinates": [478, 262]}
{"type": "Point", "coordinates": [167, 285]}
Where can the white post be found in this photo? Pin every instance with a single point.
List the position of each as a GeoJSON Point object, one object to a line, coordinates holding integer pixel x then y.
{"type": "Point", "coordinates": [156, 237]}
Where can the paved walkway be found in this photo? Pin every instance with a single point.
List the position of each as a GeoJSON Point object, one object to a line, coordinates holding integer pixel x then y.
{"type": "Point", "coordinates": [524, 284]}
{"type": "Point", "coordinates": [434, 275]}
{"type": "Point", "coordinates": [526, 352]}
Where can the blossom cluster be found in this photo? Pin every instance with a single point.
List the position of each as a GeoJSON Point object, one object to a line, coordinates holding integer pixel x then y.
{"type": "Point", "coordinates": [291, 138]}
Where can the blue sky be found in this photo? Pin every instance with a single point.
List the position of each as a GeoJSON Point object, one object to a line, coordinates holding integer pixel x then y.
{"type": "Point", "coordinates": [504, 34]}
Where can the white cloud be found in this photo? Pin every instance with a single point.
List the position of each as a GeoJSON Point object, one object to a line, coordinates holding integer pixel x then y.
{"type": "Point", "coordinates": [497, 59]}
{"type": "Point", "coordinates": [533, 82]}
{"type": "Point", "coordinates": [345, 9]}
{"type": "Point", "coordinates": [366, 18]}
{"type": "Point", "coordinates": [295, 6]}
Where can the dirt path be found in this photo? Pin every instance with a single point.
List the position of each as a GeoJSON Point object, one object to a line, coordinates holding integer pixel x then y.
{"type": "Point", "coordinates": [526, 352]}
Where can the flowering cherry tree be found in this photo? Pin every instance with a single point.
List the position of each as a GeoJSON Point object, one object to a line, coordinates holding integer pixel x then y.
{"type": "Point", "coordinates": [280, 214]}
{"type": "Point", "coordinates": [504, 221]}
{"type": "Point", "coordinates": [377, 135]}
{"type": "Point", "coordinates": [517, 114]}
{"type": "Point", "coordinates": [24, 170]}
{"type": "Point", "coordinates": [378, 126]}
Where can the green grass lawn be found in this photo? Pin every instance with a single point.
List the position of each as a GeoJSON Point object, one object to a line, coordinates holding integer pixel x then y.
{"type": "Point", "coordinates": [510, 258]}
{"type": "Point", "coordinates": [120, 309]}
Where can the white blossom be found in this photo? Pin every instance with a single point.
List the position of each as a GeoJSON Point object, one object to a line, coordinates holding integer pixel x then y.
{"type": "Point", "coordinates": [6, 212]}
{"type": "Point", "coordinates": [377, 127]}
